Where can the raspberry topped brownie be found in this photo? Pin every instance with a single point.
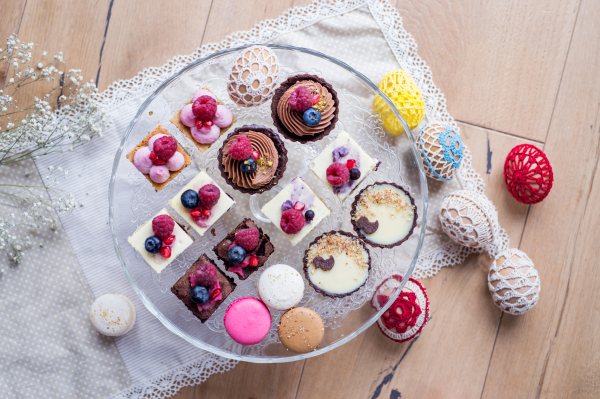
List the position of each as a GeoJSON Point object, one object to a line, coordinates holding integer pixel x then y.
{"type": "Point", "coordinates": [201, 202]}
{"type": "Point", "coordinates": [204, 119]}
{"type": "Point", "coordinates": [384, 214]}
{"type": "Point", "coordinates": [342, 165]}
{"type": "Point", "coordinates": [160, 240]}
{"type": "Point", "coordinates": [159, 157]}
{"type": "Point", "coordinates": [305, 108]}
{"type": "Point", "coordinates": [252, 159]}
{"type": "Point", "coordinates": [336, 264]}
{"type": "Point", "coordinates": [203, 288]}
{"type": "Point", "coordinates": [296, 210]}
{"type": "Point", "coordinates": [245, 249]}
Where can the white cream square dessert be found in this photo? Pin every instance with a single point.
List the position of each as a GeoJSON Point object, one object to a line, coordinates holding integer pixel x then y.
{"type": "Point", "coordinates": [156, 260]}
{"type": "Point", "coordinates": [201, 225]}
{"type": "Point", "coordinates": [297, 195]}
{"type": "Point", "coordinates": [342, 150]}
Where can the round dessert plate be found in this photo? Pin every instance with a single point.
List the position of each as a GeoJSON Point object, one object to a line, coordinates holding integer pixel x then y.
{"type": "Point", "coordinates": [133, 201]}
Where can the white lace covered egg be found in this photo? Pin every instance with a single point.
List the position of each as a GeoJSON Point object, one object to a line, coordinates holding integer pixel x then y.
{"type": "Point", "coordinates": [253, 76]}
{"type": "Point", "coordinates": [513, 281]}
{"type": "Point", "coordinates": [469, 219]}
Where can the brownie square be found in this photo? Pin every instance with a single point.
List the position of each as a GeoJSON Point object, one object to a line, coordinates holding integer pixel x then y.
{"type": "Point", "coordinates": [264, 248]}
{"type": "Point", "coordinates": [182, 288]}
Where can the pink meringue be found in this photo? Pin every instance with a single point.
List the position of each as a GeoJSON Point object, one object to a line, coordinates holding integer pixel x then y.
{"type": "Point", "coordinates": [206, 135]}
{"type": "Point", "coordinates": [202, 92]}
{"type": "Point", "coordinates": [176, 162]}
{"type": "Point", "coordinates": [159, 173]}
{"type": "Point", "coordinates": [223, 117]}
{"type": "Point", "coordinates": [142, 161]}
{"type": "Point", "coordinates": [187, 116]}
{"type": "Point", "coordinates": [153, 139]}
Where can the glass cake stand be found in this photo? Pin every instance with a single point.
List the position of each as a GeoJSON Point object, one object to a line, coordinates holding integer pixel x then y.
{"type": "Point", "coordinates": [133, 201]}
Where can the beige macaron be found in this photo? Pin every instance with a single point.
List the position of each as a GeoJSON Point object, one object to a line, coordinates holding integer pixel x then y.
{"type": "Point", "coordinates": [112, 315]}
{"type": "Point", "coordinates": [301, 330]}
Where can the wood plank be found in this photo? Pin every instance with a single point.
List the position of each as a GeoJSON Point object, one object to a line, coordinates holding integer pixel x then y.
{"type": "Point", "coordinates": [463, 325]}
{"type": "Point", "coordinates": [557, 238]}
{"type": "Point", "coordinates": [498, 63]}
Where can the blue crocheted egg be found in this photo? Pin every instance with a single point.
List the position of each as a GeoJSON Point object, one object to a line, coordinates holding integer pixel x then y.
{"type": "Point", "coordinates": [441, 150]}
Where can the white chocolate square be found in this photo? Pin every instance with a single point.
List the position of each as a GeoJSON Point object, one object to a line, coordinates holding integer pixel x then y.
{"type": "Point", "coordinates": [225, 203]}
{"type": "Point", "coordinates": [272, 210]}
{"type": "Point", "coordinates": [320, 164]}
{"type": "Point", "coordinates": [156, 261]}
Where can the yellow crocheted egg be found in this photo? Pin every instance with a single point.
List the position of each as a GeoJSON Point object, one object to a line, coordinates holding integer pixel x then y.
{"type": "Point", "coordinates": [406, 96]}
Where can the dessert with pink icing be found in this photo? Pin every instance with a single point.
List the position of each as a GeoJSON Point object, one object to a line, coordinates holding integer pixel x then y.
{"type": "Point", "coordinates": [160, 240]}
{"type": "Point", "coordinates": [247, 321]}
{"type": "Point", "coordinates": [159, 157]}
{"type": "Point", "coordinates": [204, 119]}
{"type": "Point", "coordinates": [201, 202]}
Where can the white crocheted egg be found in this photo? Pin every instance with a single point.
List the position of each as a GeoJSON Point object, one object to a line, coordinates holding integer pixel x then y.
{"type": "Point", "coordinates": [253, 76]}
{"type": "Point", "coordinates": [441, 150]}
{"type": "Point", "coordinates": [469, 219]}
{"type": "Point", "coordinates": [514, 282]}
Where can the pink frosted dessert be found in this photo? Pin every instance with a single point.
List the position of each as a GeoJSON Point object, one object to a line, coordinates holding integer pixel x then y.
{"type": "Point", "coordinates": [205, 117]}
{"type": "Point", "coordinates": [247, 321]}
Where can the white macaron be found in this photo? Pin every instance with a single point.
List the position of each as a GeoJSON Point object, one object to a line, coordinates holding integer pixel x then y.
{"type": "Point", "coordinates": [112, 315]}
{"type": "Point", "coordinates": [280, 287]}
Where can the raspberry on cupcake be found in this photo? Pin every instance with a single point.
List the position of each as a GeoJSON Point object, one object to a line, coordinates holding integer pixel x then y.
{"type": "Point", "coordinates": [252, 159]}
{"type": "Point", "coordinates": [305, 108]}
{"type": "Point", "coordinates": [204, 119]}
{"type": "Point", "coordinates": [159, 157]}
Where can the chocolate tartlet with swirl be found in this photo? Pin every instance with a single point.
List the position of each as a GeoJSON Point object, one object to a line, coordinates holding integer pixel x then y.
{"type": "Point", "coordinates": [252, 159]}
{"type": "Point", "coordinates": [305, 108]}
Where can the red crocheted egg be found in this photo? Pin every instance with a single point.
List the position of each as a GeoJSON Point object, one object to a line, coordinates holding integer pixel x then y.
{"type": "Point", "coordinates": [528, 174]}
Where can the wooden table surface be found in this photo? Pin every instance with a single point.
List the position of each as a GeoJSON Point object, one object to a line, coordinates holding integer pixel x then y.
{"type": "Point", "coordinates": [513, 72]}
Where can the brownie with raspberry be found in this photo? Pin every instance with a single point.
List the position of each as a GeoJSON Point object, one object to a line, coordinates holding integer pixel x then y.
{"type": "Point", "coordinates": [214, 287]}
{"type": "Point", "coordinates": [245, 249]}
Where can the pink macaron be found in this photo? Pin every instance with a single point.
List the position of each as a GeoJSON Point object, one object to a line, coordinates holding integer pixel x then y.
{"type": "Point", "coordinates": [247, 321]}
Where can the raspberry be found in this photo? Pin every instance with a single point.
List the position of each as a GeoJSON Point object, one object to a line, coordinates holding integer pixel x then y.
{"type": "Point", "coordinates": [209, 195]}
{"type": "Point", "coordinates": [163, 226]}
{"type": "Point", "coordinates": [301, 99]}
{"type": "Point", "coordinates": [165, 147]}
{"type": "Point", "coordinates": [206, 275]}
{"type": "Point", "coordinates": [292, 221]}
{"type": "Point", "coordinates": [205, 108]}
{"type": "Point", "coordinates": [337, 174]}
{"type": "Point", "coordinates": [247, 238]}
{"type": "Point", "coordinates": [240, 148]}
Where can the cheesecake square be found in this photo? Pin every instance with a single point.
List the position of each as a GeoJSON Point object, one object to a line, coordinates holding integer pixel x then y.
{"type": "Point", "coordinates": [183, 288]}
{"type": "Point", "coordinates": [343, 149]}
{"type": "Point", "coordinates": [297, 191]}
{"type": "Point", "coordinates": [201, 225]}
{"type": "Point", "coordinates": [262, 251]}
{"type": "Point", "coordinates": [156, 260]}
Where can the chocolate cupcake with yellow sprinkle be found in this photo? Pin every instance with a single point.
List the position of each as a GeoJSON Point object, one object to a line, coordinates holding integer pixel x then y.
{"type": "Point", "coordinates": [252, 159]}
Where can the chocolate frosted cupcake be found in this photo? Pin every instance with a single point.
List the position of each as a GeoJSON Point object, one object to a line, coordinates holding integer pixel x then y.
{"type": "Point", "coordinates": [305, 108]}
{"type": "Point", "coordinates": [253, 159]}
{"type": "Point", "coordinates": [384, 214]}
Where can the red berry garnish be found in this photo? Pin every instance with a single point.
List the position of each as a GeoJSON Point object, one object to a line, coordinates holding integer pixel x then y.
{"type": "Point", "coordinates": [165, 147]}
{"type": "Point", "coordinates": [162, 226]}
{"type": "Point", "coordinates": [153, 156]}
{"type": "Point", "coordinates": [299, 206]}
{"type": "Point", "coordinates": [205, 213]}
{"type": "Point", "coordinates": [240, 148]}
{"type": "Point", "coordinates": [209, 195]}
{"type": "Point", "coordinates": [316, 98]}
{"type": "Point", "coordinates": [292, 221]}
{"type": "Point", "coordinates": [195, 213]}
{"type": "Point", "coordinates": [206, 275]}
{"type": "Point", "coordinates": [301, 99]}
{"type": "Point", "coordinates": [247, 238]}
{"type": "Point", "coordinates": [215, 293]}
{"type": "Point", "coordinates": [253, 261]}
{"type": "Point", "coordinates": [208, 123]}
{"type": "Point", "coordinates": [205, 108]}
{"type": "Point", "coordinates": [199, 124]}
{"type": "Point", "coordinates": [165, 252]}
{"type": "Point", "coordinates": [337, 174]}
{"type": "Point", "coordinates": [255, 155]}
{"type": "Point", "coordinates": [350, 163]}
{"type": "Point", "coordinates": [169, 240]}
{"type": "Point", "coordinates": [158, 162]}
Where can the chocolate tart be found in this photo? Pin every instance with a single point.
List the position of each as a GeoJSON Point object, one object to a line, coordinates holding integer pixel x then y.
{"type": "Point", "coordinates": [263, 250]}
{"type": "Point", "coordinates": [182, 288]}
{"type": "Point", "coordinates": [307, 271]}
{"type": "Point", "coordinates": [144, 143]}
{"type": "Point", "coordinates": [359, 230]}
{"type": "Point", "coordinates": [289, 82]}
{"type": "Point", "coordinates": [279, 146]}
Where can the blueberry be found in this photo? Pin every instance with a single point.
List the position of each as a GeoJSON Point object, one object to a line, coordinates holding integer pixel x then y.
{"type": "Point", "coordinates": [189, 199]}
{"type": "Point", "coordinates": [236, 255]}
{"type": "Point", "coordinates": [309, 215]}
{"type": "Point", "coordinates": [153, 244]}
{"type": "Point", "coordinates": [311, 117]}
{"type": "Point", "coordinates": [354, 174]}
{"type": "Point", "coordinates": [200, 294]}
{"type": "Point", "coordinates": [248, 166]}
